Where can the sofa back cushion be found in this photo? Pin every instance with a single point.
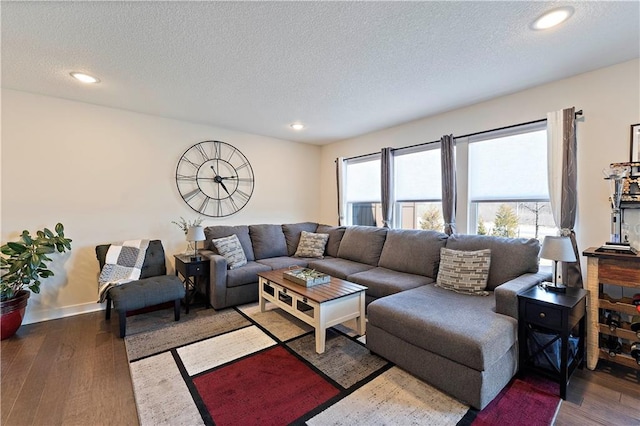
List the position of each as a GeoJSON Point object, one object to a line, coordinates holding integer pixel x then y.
{"type": "Point", "coordinates": [268, 241]}
{"type": "Point", "coordinates": [413, 251]}
{"type": "Point", "coordinates": [221, 231]}
{"type": "Point", "coordinates": [510, 257]}
{"type": "Point", "coordinates": [335, 237]}
{"type": "Point", "coordinates": [362, 244]}
{"type": "Point", "coordinates": [292, 233]}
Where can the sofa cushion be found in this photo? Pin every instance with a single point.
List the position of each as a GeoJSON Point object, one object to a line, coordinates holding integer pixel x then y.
{"type": "Point", "coordinates": [268, 241]}
{"type": "Point", "coordinates": [510, 257]}
{"type": "Point", "coordinates": [464, 272]}
{"type": "Point", "coordinates": [455, 326]}
{"type": "Point", "coordinates": [312, 245]}
{"type": "Point", "coordinates": [336, 267]}
{"type": "Point", "coordinates": [282, 262]}
{"type": "Point", "coordinates": [292, 233]}
{"type": "Point", "coordinates": [220, 231]}
{"type": "Point", "coordinates": [413, 251]}
{"type": "Point", "coordinates": [247, 274]}
{"type": "Point", "coordinates": [362, 244]}
{"type": "Point", "coordinates": [335, 237]}
{"type": "Point", "coordinates": [383, 282]}
{"type": "Point", "coordinates": [230, 248]}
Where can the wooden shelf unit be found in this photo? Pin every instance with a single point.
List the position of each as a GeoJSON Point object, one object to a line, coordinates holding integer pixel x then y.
{"type": "Point", "coordinates": [618, 270]}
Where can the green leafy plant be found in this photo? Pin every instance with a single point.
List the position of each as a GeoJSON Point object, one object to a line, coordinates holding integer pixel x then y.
{"type": "Point", "coordinates": [24, 263]}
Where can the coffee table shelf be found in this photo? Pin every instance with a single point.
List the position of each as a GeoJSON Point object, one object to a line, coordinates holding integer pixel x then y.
{"type": "Point", "coordinates": [320, 306]}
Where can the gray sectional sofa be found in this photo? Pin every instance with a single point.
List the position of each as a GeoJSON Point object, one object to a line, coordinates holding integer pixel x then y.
{"type": "Point", "coordinates": [463, 344]}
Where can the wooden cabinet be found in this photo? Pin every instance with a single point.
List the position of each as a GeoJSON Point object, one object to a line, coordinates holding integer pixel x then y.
{"type": "Point", "coordinates": [612, 269]}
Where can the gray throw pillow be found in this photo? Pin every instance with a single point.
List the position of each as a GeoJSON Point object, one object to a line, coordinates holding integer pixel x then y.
{"type": "Point", "coordinates": [464, 271]}
{"type": "Point", "coordinates": [311, 245]}
{"type": "Point", "coordinates": [231, 250]}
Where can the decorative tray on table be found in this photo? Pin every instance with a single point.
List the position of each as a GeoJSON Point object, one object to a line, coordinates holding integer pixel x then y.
{"type": "Point", "coordinates": [306, 277]}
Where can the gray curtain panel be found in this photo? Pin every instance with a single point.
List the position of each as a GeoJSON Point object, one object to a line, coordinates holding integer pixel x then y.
{"type": "Point", "coordinates": [386, 180]}
{"type": "Point", "coordinates": [571, 271]}
{"type": "Point", "coordinates": [447, 150]}
{"type": "Point", "coordinates": [563, 173]}
{"type": "Point", "coordinates": [340, 182]}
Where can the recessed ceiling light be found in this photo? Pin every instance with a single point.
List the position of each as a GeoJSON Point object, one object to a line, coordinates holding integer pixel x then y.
{"type": "Point", "coordinates": [85, 78]}
{"type": "Point", "coordinates": [552, 18]}
{"type": "Point", "coordinates": [297, 126]}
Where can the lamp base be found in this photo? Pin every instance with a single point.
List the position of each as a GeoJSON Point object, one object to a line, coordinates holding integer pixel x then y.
{"type": "Point", "coordinates": [550, 287]}
{"type": "Point", "coordinates": [196, 258]}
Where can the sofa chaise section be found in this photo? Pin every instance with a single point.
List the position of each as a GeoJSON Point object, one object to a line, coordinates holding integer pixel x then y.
{"type": "Point", "coordinates": [460, 343]}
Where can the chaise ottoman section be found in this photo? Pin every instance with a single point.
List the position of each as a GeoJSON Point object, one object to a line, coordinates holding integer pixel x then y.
{"type": "Point", "coordinates": [462, 332]}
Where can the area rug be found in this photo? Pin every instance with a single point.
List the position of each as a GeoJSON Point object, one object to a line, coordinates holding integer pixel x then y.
{"type": "Point", "coordinates": [241, 366]}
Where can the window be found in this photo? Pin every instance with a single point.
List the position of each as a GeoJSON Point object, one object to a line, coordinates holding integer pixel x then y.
{"type": "Point", "coordinates": [507, 183]}
{"type": "Point", "coordinates": [502, 185]}
{"type": "Point", "coordinates": [362, 191]}
{"type": "Point", "coordinates": [418, 187]}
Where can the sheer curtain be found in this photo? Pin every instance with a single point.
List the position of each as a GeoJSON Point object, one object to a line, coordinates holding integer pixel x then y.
{"type": "Point", "coordinates": [340, 168]}
{"type": "Point", "coordinates": [386, 180]}
{"type": "Point", "coordinates": [563, 173]}
{"type": "Point", "coordinates": [447, 152]}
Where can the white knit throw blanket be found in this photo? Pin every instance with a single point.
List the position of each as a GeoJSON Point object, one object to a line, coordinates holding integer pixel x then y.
{"type": "Point", "coordinates": [123, 264]}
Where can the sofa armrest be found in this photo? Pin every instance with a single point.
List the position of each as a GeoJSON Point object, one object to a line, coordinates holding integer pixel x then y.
{"type": "Point", "coordinates": [217, 279]}
{"type": "Point", "coordinates": [507, 294]}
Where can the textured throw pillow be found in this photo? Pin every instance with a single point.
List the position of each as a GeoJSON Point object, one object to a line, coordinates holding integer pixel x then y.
{"type": "Point", "coordinates": [464, 271]}
{"type": "Point", "coordinates": [311, 245]}
{"type": "Point", "coordinates": [230, 248]}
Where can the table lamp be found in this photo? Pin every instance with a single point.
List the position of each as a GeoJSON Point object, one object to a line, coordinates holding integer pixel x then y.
{"type": "Point", "coordinates": [195, 234]}
{"type": "Point", "coordinates": [558, 249]}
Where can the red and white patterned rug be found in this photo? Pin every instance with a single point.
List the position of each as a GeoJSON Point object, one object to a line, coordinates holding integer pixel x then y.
{"type": "Point", "coordinates": [243, 367]}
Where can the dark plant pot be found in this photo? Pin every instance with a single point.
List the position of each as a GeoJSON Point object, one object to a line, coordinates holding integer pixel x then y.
{"type": "Point", "coordinates": [12, 313]}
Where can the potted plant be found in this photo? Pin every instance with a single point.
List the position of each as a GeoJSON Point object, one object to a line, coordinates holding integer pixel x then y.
{"type": "Point", "coordinates": [24, 264]}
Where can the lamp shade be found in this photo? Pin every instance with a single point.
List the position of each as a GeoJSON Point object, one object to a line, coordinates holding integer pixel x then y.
{"type": "Point", "coordinates": [195, 233]}
{"type": "Point", "coordinates": [558, 249]}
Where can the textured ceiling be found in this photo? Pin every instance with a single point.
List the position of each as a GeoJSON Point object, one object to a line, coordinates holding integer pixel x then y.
{"type": "Point", "coordinates": [341, 68]}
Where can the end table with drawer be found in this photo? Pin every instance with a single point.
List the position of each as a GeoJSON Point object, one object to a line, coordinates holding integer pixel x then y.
{"type": "Point", "coordinates": [561, 316]}
{"type": "Point", "coordinates": [194, 273]}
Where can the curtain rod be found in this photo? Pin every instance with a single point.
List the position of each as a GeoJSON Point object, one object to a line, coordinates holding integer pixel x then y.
{"type": "Point", "coordinates": [577, 113]}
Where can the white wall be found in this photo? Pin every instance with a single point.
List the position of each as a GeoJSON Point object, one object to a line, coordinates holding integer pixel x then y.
{"type": "Point", "coordinates": [609, 98]}
{"type": "Point", "coordinates": [109, 175]}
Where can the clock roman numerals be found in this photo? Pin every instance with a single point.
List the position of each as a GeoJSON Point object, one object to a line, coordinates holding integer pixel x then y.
{"type": "Point", "coordinates": [214, 178]}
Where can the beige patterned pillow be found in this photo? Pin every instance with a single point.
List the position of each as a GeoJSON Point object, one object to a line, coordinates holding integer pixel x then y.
{"type": "Point", "coordinates": [464, 271]}
{"type": "Point", "coordinates": [311, 245]}
{"type": "Point", "coordinates": [231, 249]}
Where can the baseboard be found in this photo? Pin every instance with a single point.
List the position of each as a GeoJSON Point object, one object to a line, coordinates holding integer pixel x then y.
{"type": "Point", "coordinates": [67, 311]}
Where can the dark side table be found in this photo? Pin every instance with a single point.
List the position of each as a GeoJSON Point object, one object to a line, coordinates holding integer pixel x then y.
{"type": "Point", "coordinates": [557, 317]}
{"type": "Point", "coordinates": [194, 273]}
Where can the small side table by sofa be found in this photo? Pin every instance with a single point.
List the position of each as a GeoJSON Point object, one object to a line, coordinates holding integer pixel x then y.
{"type": "Point", "coordinates": [194, 273]}
{"type": "Point", "coordinates": [556, 315]}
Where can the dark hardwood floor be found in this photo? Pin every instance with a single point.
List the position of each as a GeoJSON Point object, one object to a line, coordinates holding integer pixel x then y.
{"type": "Point", "coordinates": [73, 371]}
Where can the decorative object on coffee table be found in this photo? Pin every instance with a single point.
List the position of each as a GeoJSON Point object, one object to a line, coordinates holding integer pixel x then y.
{"type": "Point", "coordinates": [214, 178]}
{"type": "Point", "coordinates": [306, 277]}
{"type": "Point", "coordinates": [195, 234]}
{"type": "Point", "coordinates": [558, 249]}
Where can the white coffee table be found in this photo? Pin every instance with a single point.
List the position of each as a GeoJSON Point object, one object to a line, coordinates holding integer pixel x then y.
{"type": "Point", "coordinates": [320, 306]}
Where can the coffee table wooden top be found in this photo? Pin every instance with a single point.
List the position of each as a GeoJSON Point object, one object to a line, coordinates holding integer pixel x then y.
{"type": "Point", "coordinates": [334, 289]}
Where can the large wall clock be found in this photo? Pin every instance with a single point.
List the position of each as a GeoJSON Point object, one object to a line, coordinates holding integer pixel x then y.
{"type": "Point", "coordinates": [214, 178]}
